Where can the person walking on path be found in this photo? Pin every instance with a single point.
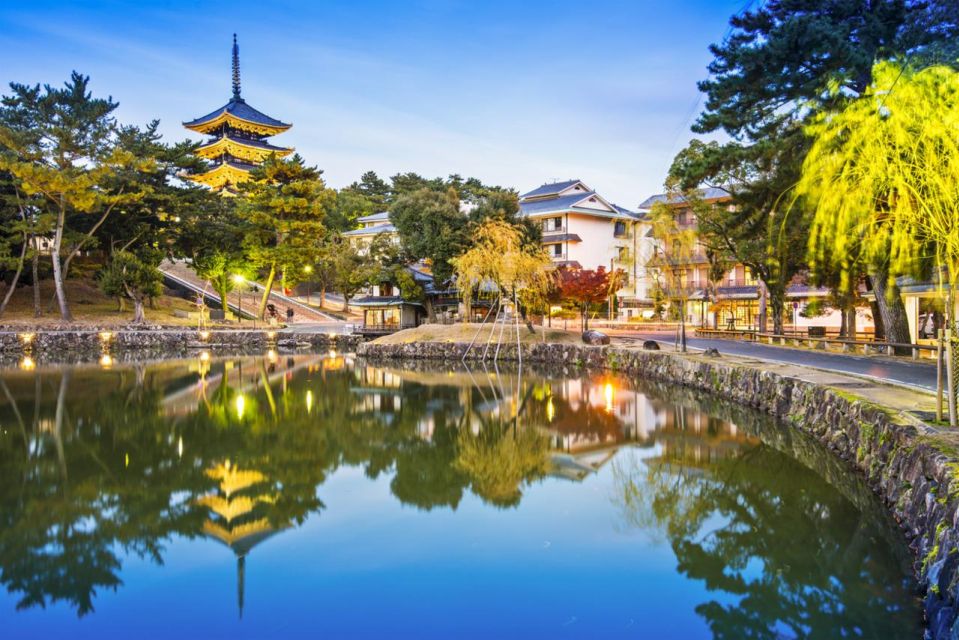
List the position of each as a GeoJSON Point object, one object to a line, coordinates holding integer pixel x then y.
{"type": "Point", "coordinates": [201, 312]}
{"type": "Point", "coordinates": [289, 315]}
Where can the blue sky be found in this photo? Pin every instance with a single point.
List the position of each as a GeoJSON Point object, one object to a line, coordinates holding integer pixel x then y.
{"type": "Point", "coordinates": [514, 93]}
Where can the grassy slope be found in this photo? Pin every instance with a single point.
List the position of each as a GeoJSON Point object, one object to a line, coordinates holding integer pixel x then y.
{"type": "Point", "coordinates": [89, 307]}
{"type": "Point", "coordinates": [465, 333]}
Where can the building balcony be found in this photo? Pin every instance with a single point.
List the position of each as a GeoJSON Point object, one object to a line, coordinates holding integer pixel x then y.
{"type": "Point", "coordinates": [673, 261]}
{"type": "Point", "coordinates": [737, 282]}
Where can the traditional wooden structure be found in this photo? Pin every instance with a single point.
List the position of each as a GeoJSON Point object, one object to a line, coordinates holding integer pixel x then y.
{"type": "Point", "coordinates": [237, 143]}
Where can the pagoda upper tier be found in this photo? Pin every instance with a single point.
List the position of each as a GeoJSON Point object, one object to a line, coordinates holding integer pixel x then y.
{"type": "Point", "coordinates": [238, 138]}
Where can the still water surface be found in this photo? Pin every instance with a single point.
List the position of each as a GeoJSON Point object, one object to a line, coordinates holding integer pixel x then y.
{"type": "Point", "coordinates": [315, 496]}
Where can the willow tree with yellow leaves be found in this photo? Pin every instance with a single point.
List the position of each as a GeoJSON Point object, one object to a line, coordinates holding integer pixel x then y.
{"type": "Point", "coordinates": [882, 177]}
{"type": "Point", "coordinates": [502, 264]}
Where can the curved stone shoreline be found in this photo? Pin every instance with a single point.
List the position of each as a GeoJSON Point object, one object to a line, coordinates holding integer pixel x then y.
{"type": "Point", "coordinates": [123, 345]}
{"type": "Point", "coordinates": [915, 472]}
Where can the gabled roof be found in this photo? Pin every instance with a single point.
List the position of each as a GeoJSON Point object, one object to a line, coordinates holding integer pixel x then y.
{"type": "Point", "coordinates": [236, 108]}
{"type": "Point", "coordinates": [382, 216]}
{"type": "Point", "coordinates": [627, 212]}
{"type": "Point", "coordinates": [371, 231]}
{"type": "Point", "coordinates": [575, 202]}
{"type": "Point", "coordinates": [711, 193]}
{"type": "Point", "coordinates": [553, 189]}
{"type": "Point", "coordinates": [424, 279]}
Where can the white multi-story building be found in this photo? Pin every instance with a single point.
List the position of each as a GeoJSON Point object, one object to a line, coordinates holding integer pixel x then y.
{"type": "Point", "coordinates": [373, 225]}
{"type": "Point", "coordinates": [581, 229]}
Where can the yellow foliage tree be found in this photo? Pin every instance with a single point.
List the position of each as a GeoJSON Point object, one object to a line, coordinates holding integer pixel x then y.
{"type": "Point", "coordinates": [677, 247]}
{"type": "Point", "coordinates": [500, 262]}
{"type": "Point", "coordinates": [883, 180]}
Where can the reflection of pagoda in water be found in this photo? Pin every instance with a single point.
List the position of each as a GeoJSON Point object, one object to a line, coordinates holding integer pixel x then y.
{"type": "Point", "coordinates": [238, 514]}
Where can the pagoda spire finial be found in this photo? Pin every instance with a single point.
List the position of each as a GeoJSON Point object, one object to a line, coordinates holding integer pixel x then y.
{"type": "Point", "coordinates": [236, 69]}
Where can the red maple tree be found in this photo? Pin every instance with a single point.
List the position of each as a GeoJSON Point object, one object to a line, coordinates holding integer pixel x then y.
{"type": "Point", "coordinates": [586, 287]}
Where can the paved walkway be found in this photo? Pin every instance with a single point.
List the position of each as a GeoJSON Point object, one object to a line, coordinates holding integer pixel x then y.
{"type": "Point", "coordinates": [921, 374]}
{"type": "Point", "coordinates": [180, 272]}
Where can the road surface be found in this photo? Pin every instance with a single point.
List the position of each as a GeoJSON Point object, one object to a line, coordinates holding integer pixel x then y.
{"type": "Point", "coordinates": [921, 374]}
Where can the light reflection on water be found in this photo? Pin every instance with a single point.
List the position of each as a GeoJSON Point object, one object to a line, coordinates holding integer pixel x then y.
{"type": "Point", "coordinates": [315, 495]}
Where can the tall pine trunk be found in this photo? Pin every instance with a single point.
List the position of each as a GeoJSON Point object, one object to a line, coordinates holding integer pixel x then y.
{"type": "Point", "coordinates": [16, 277]}
{"type": "Point", "coordinates": [139, 317]}
{"type": "Point", "coordinates": [35, 266]}
{"type": "Point", "coordinates": [57, 268]}
{"type": "Point", "coordinates": [893, 312]}
{"type": "Point", "coordinates": [267, 289]}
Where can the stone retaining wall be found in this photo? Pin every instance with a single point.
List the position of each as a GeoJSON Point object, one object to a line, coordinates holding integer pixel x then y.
{"type": "Point", "coordinates": [916, 475]}
{"type": "Point", "coordinates": [125, 345]}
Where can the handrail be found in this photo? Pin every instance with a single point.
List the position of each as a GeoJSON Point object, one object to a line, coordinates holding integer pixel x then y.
{"type": "Point", "coordinates": [206, 294]}
{"type": "Point", "coordinates": [889, 348]}
{"type": "Point", "coordinates": [288, 300]}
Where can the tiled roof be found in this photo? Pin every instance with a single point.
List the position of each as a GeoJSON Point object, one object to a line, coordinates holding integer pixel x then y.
{"type": "Point", "coordinates": [562, 237]}
{"type": "Point", "coordinates": [560, 204]}
{"type": "Point", "coordinates": [382, 216]}
{"type": "Point", "coordinates": [549, 189]}
{"type": "Point", "coordinates": [371, 231]}
{"type": "Point", "coordinates": [249, 142]}
{"type": "Point", "coordinates": [712, 193]}
{"type": "Point", "coordinates": [239, 109]}
{"type": "Point", "coordinates": [552, 204]}
{"type": "Point", "coordinates": [236, 164]}
{"type": "Point", "coordinates": [627, 212]}
{"type": "Point", "coordinates": [379, 301]}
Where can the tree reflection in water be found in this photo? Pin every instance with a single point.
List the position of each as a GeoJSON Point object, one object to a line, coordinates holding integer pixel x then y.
{"type": "Point", "coordinates": [97, 464]}
{"type": "Point", "coordinates": [786, 554]}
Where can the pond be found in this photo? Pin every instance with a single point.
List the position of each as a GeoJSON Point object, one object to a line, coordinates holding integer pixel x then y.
{"type": "Point", "coordinates": [322, 496]}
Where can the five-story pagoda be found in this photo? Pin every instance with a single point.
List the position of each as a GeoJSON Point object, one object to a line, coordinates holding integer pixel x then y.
{"type": "Point", "coordinates": [238, 138]}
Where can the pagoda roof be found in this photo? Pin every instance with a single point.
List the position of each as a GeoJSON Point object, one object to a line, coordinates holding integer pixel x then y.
{"type": "Point", "coordinates": [240, 115]}
{"type": "Point", "coordinates": [244, 148]}
{"type": "Point", "coordinates": [230, 171]}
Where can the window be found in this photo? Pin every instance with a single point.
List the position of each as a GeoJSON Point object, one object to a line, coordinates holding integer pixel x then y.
{"type": "Point", "coordinates": [386, 289]}
{"type": "Point", "coordinates": [557, 249]}
{"type": "Point", "coordinates": [552, 224]}
{"type": "Point", "coordinates": [620, 229]}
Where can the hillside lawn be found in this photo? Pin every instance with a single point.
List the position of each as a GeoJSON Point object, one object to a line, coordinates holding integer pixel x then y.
{"type": "Point", "coordinates": [90, 308]}
{"type": "Point", "coordinates": [465, 332]}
